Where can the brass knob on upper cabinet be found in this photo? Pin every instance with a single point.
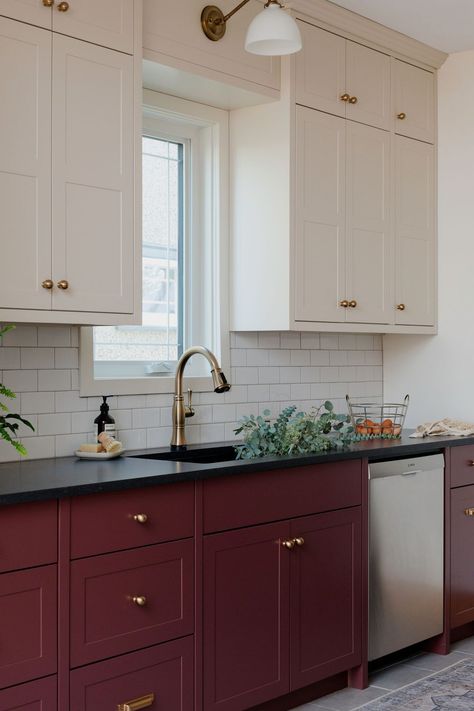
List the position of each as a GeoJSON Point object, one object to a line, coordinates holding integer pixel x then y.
{"type": "Point", "coordinates": [299, 541]}
{"type": "Point", "coordinates": [140, 518]}
{"type": "Point", "coordinates": [344, 303]}
{"type": "Point", "coordinates": [63, 6]}
{"type": "Point", "coordinates": [63, 284]}
{"type": "Point", "coordinates": [353, 100]}
{"type": "Point", "coordinates": [401, 307]}
{"type": "Point", "coordinates": [47, 284]}
{"type": "Point", "coordinates": [345, 97]}
{"type": "Point", "coordinates": [469, 512]}
{"type": "Point", "coordinates": [290, 544]}
{"type": "Point", "coordinates": [139, 600]}
{"type": "Point", "coordinates": [353, 303]}
{"type": "Point", "coordinates": [402, 116]}
{"type": "Point", "coordinates": [48, 3]}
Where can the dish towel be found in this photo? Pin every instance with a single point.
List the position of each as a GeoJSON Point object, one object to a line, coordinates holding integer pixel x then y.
{"type": "Point", "coordinates": [446, 427]}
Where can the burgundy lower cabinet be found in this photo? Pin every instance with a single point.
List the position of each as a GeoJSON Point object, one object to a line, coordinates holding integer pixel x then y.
{"type": "Point", "coordinates": [36, 696]}
{"type": "Point", "coordinates": [28, 628]}
{"type": "Point", "coordinates": [132, 599]}
{"type": "Point", "coordinates": [159, 678]}
{"type": "Point", "coordinates": [245, 617]}
{"type": "Point", "coordinates": [325, 596]}
{"type": "Point", "coordinates": [462, 554]}
{"type": "Point", "coordinates": [281, 606]}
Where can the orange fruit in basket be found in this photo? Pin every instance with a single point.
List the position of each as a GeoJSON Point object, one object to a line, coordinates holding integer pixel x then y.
{"type": "Point", "coordinates": [377, 429]}
{"type": "Point", "coordinates": [387, 423]}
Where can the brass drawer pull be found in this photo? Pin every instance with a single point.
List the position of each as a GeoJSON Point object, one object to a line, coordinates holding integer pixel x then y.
{"type": "Point", "coordinates": [353, 100]}
{"type": "Point", "coordinates": [299, 541]}
{"type": "Point", "coordinates": [139, 600]}
{"type": "Point", "coordinates": [401, 307]}
{"type": "Point", "coordinates": [48, 3]}
{"type": "Point", "coordinates": [140, 518]}
{"type": "Point", "coordinates": [63, 284]}
{"type": "Point", "coordinates": [142, 703]}
{"type": "Point", "coordinates": [469, 512]}
{"type": "Point", "coordinates": [353, 303]}
{"type": "Point", "coordinates": [402, 116]}
{"type": "Point", "coordinates": [289, 544]}
{"type": "Point", "coordinates": [471, 464]}
{"type": "Point", "coordinates": [345, 97]}
{"type": "Point", "coordinates": [344, 303]}
{"type": "Point", "coordinates": [63, 6]}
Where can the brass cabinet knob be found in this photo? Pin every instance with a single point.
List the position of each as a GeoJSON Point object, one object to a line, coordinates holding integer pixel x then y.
{"type": "Point", "coordinates": [402, 116]}
{"type": "Point", "coordinates": [143, 702]}
{"type": "Point", "coordinates": [344, 303]}
{"type": "Point", "coordinates": [290, 544]}
{"type": "Point", "coordinates": [469, 512]}
{"type": "Point", "coordinates": [401, 307]}
{"type": "Point", "coordinates": [140, 518]}
{"type": "Point", "coordinates": [353, 100]}
{"type": "Point", "coordinates": [345, 97]}
{"type": "Point", "coordinates": [299, 541]}
{"type": "Point", "coordinates": [47, 284]}
{"type": "Point", "coordinates": [63, 284]}
{"type": "Point", "coordinates": [48, 3]}
{"type": "Point", "coordinates": [63, 6]}
{"type": "Point", "coordinates": [139, 600]}
{"type": "Point", "coordinates": [472, 464]}
{"type": "Point", "coordinates": [352, 303]}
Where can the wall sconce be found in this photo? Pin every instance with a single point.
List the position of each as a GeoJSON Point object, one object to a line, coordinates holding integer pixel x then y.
{"type": "Point", "coordinates": [272, 32]}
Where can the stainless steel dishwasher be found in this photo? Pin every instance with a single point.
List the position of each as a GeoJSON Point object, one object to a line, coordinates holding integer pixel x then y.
{"type": "Point", "coordinates": [406, 534]}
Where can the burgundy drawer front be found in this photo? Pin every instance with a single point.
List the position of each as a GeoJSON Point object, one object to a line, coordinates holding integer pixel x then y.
{"type": "Point", "coordinates": [28, 535]}
{"type": "Point", "coordinates": [103, 523]}
{"type": "Point", "coordinates": [28, 644]}
{"type": "Point", "coordinates": [36, 696]}
{"type": "Point", "coordinates": [107, 621]}
{"type": "Point", "coordinates": [163, 675]}
{"type": "Point", "coordinates": [462, 465]}
{"type": "Point", "coordinates": [234, 502]}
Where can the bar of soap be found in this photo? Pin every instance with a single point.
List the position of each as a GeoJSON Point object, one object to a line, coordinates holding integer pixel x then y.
{"type": "Point", "coordinates": [91, 448]}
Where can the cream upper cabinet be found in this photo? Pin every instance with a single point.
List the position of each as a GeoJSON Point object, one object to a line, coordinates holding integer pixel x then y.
{"type": "Point", "coordinates": [92, 178]}
{"type": "Point", "coordinates": [415, 240]}
{"type": "Point", "coordinates": [413, 101]}
{"type": "Point", "coordinates": [106, 22]}
{"type": "Point", "coordinates": [369, 230]}
{"type": "Point", "coordinates": [342, 77]}
{"type": "Point", "coordinates": [25, 165]}
{"type": "Point", "coordinates": [35, 12]}
{"type": "Point", "coordinates": [320, 216]}
{"type": "Point", "coordinates": [321, 70]}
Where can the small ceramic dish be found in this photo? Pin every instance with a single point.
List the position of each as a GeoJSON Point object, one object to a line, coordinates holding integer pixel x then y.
{"type": "Point", "coordinates": [99, 455]}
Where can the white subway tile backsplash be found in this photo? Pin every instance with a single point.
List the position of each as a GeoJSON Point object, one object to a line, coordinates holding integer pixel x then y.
{"type": "Point", "coordinates": [268, 371]}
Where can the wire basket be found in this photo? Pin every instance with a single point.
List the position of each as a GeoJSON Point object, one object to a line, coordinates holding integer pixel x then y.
{"type": "Point", "coordinates": [374, 420]}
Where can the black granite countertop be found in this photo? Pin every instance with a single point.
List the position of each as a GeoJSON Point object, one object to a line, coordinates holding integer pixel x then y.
{"type": "Point", "coordinates": [37, 480]}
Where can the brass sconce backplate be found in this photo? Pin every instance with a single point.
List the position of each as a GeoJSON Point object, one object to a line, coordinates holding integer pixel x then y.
{"type": "Point", "coordinates": [213, 23]}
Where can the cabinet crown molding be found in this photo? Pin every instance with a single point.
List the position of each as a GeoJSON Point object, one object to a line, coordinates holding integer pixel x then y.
{"type": "Point", "coordinates": [358, 27]}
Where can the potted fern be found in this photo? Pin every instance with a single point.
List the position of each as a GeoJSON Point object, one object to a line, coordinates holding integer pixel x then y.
{"type": "Point", "coordinates": [9, 421]}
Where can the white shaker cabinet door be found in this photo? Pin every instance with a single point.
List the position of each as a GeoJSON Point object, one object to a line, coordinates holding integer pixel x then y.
{"type": "Point", "coordinates": [25, 165]}
{"type": "Point", "coordinates": [92, 177]}
{"type": "Point", "coordinates": [105, 22]}
{"type": "Point", "coordinates": [413, 101]}
{"type": "Point", "coordinates": [321, 70]}
{"type": "Point", "coordinates": [36, 12]}
{"type": "Point", "coordinates": [369, 230]}
{"type": "Point", "coordinates": [368, 83]}
{"type": "Point", "coordinates": [415, 241]}
{"type": "Point", "coordinates": [320, 217]}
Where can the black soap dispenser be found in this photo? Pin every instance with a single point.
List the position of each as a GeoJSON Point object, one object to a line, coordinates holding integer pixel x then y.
{"type": "Point", "coordinates": [104, 422]}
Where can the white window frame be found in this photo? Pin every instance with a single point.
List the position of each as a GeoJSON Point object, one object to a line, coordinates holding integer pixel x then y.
{"type": "Point", "coordinates": [207, 128]}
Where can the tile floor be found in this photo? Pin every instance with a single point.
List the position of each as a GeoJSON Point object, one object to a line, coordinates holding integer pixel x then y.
{"type": "Point", "coordinates": [391, 678]}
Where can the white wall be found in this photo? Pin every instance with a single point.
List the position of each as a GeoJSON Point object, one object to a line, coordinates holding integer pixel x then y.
{"type": "Point", "coordinates": [438, 371]}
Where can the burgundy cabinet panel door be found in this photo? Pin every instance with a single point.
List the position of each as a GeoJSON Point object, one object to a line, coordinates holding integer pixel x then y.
{"type": "Point", "coordinates": [462, 465]}
{"type": "Point", "coordinates": [246, 643]}
{"type": "Point", "coordinates": [125, 601]}
{"type": "Point", "coordinates": [36, 696]}
{"type": "Point", "coordinates": [325, 594]}
{"type": "Point", "coordinates": [128, 519]}
{"type": "Point", "coordinates": [28, 535]}
{"type": "Point", "coordinates": [462, 555]}
{"type": "Point", "coordinates": [28, 614]}
{"type": "Point", "coordinates": [161, 676]}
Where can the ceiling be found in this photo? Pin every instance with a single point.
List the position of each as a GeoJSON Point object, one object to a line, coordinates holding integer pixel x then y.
{"type": "Point", "coordinates": [444, 24]}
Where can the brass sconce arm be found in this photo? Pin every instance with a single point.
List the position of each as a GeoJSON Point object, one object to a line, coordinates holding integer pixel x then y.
{"type": "Point", "coordinates": [213, 20]}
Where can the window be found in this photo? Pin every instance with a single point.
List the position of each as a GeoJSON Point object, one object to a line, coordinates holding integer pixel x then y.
{"type": "Point", "coordinates": [184, 231]}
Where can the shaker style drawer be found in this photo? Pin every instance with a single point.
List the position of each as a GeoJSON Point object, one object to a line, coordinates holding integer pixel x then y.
{"type": "Point", "coordinates": [28, 535]}
{"type": "Point", "coordinates": [28, 625]}
{"type": "Point", "coordinates": [36, 696]}
{"type": "Point", "coordinates": [102, 523]}
{"type": "Point", "coordinates": [125, 601]}
{"type": "Point", "coordinates": [462, 556]}
{"type": "Point", "coordinates": [159, 679]}
{"type": "Point", "coordinates": [462, 465]}
{"type": "Point", "coordinates": [234, 502]}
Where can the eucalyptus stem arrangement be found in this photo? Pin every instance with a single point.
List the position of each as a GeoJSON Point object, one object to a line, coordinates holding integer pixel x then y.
{"type": "Point", "coordinates": [10, 422]}
{"type": "Point", "coordinates": [318, 430]}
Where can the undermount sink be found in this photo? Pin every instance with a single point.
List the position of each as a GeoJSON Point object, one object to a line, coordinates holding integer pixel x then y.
{"type": "Point", "coordinates": [206, 455]}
